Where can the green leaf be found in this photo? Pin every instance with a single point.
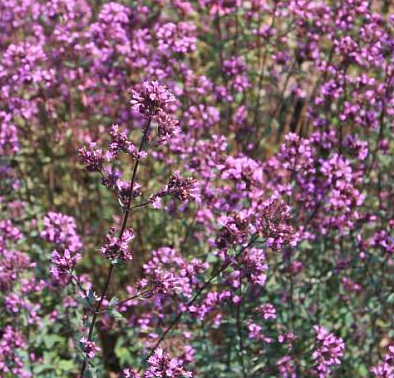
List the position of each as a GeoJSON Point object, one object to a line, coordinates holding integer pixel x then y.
{"type": "Point", "coordinates": [66, 365]}
{"type": "Point", "coordinates": [116, 314]}
{"type": "Point", "coordinates": [51, 340]}
{"type": "Point", "coordinates": [113, 302]}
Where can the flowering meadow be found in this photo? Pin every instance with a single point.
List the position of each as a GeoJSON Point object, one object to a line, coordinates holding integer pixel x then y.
{"type": "Point", "coordinates": [198, 188]}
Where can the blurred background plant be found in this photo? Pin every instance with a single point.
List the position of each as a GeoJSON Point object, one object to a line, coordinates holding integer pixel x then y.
{"type": "Point", "coordinates": [281, 266]}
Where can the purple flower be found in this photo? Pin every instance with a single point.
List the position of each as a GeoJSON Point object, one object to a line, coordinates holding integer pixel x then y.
{"type": "Point", "coordinates": [181, 188]}
{"type": "Point", "coordinates": [89, 348]}
{"type": "Point", "coordinates": [386, 368]}
{"type": "Point", "coordinates": [176, 38]}
{"type": "Point", "coordinates": [117, 248]}
{"type": "Point", "coordinates": [120, 142]}
{"type": "Point", "coordinates": [64, 263]}
{"type": "Point", "coordinates": [328, 352]}
{"type": "Point", "coordinates": [151, 98]}
{"type": "Point", "coordinates": [12, 342]}
{"type": "Point", "coordinates": [267, 311]}
{"type": "Point", "coordinates": [167, 126]}
{"type": "Point", "coordinates": [161, 365]}
{"type": "Point", "coordinates": [287, 367]}
{"type": "Point", "coordinates": [129, 373]}
{"type": "Point", "coordinates": [92, 157]}
{"type": "Point", "coordinates": [256, 332]}
{"type": "Point", "coordinates": [60, 229]}
{"type": "Point", "coordinates": [9, 141]}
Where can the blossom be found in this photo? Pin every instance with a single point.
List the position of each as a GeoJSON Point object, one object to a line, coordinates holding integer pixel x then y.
{"type": "Point", "coordinates": [167, 127]}
{"type": "Point", "coordinates": [60, 229]}
{"type": "Point", "coordinates": [287, 367]}
{"type": "Point", "coordinates": [267, 311]}
{"type": "Point", "coordinates": [129, 373]}
{"type": "Point", "coordinates": [161, 365]}
{"type": "Point", "coordinates": [254, 266]}
{"type": "Point", "coordinates": [176, 38]}
{"type": "Point", "coordinates": [120, 142]}
{"type": "Point", "coordinates": [385, 369]}
{"type": "Point", "coordinates": [89, 347]}
{"type": "Point", "coordinates": [256, 332]}
{"type": "Point", "coordinates": [282, 134]}
{"type": "Point", "coordinates": [64, 262]}
{"type": "Point", "coordinates": [9, 141]}
{"type": "Point", "coordinates": [181, 188]}
{"type": "Point", "coordinates": [328, 352]}
{"type": "Point", "coordinates": [117, 248]}
{"type": "Point", "coordinates": [151, 99]}
{"type": "Point", "coordinates": [235, 229]}
{"type": "Point", "coordinates": [236, 69]}
{"type": "Point", "coordinates": [92, 158]}
{"type": "Point", "coordinates": [8, 232]}
{"type": "Point", "coordinates": [11, 342]}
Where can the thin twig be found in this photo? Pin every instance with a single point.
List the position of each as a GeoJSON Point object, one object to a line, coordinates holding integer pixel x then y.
{"type": "Point", "coordinates": [126, 213]}
{"type": "Point", "coordinates": [202, 288]}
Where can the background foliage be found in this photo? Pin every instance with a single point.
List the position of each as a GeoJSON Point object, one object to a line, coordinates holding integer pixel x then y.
{"type": "Point", "coordinates": [285, 111]}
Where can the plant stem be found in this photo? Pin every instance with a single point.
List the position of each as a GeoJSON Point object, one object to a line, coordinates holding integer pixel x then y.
{"type": "Point", "coordinates": [122, 229]}
{"type": "Point", "coordinates": [198, 293]}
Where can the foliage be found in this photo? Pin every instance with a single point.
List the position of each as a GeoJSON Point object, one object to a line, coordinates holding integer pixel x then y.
{"type": "Point", "coordinates": [196, 188]}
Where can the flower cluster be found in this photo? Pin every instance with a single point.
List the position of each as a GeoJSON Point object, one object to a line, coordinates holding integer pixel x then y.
{"type": "Point", "coordinates": [60, 231]}
{"type": "Point", "coordinates": [11, 342]}
{"type": "Point", "coordinates": [120, 142]}
{"type": "Point", "coordinates": [178, 187]}
{"type": "Point", "coordinates": [177, 38]}
{"type": "Point", "coordinates": [92, 158]}
{"type": "Point", "coordinates": [117, 248]}
{"type": "Point", "coordinates": [151, 99]}
{"type": "Point", "coordinates": [245, 149]}
{"type": "Point", "coordinates": [328, 351]}
{"type": "Point", "coordinates": [154, 101]}
{"type": "Point", "coordinates": [161, 365]}
{"type": "Point", "coordinates": [386, 368]}
{"type": "Point", "coordinates": [89, 347]}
